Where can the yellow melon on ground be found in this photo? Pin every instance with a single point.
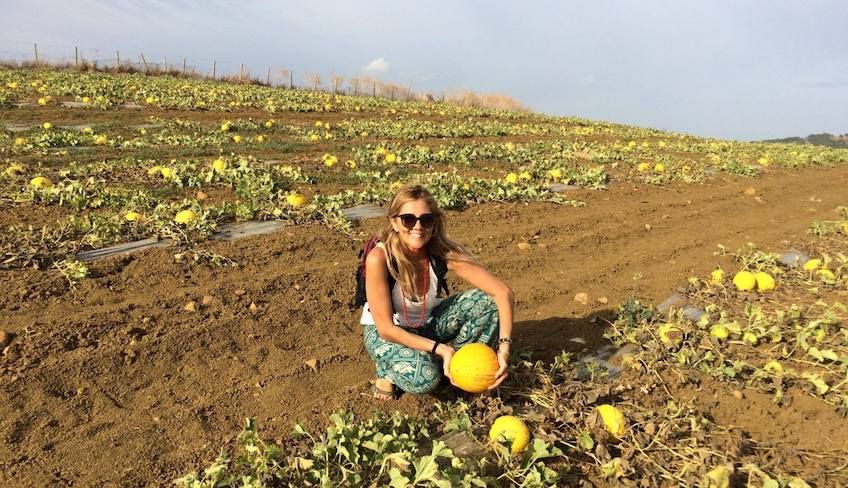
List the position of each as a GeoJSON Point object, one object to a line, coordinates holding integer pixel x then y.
{"type": "Point", "coordinates": [613, 419]}
{"type": "Point", "coordinates": [765, 282]}
{"type": "Point", "coordinates": [512, 431]}
{"type": "Point", "coordinates": [41, 182]}
{"type": "Point", "coordinates": [473, 367]}
{"type": "Point", "coordinates": [296, 200]}
{"type": "Point", "coordinates": [185, 217]}
{"type": "Point", "coordinates": [745, 281]}
{"type": "Point", "coordinates": [132, 216]}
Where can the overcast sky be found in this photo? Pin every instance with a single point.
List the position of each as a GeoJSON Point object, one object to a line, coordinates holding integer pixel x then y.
{"type": "Point", "coordinates": [725, 68]}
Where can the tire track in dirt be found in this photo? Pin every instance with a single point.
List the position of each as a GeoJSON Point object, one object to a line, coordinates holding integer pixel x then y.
{"type": "Point", "coordinates": [192, 377]}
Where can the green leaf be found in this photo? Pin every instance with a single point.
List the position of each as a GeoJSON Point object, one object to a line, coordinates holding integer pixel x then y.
{"type": "Point", "coordinates": [398, 480]}
{"type": "Point", "coordinates": [830, 354]}
{"type": "Point", "coordinates": [798, 483]}
{"type": "Point", "coordinates": [441, 450]}
{"type": "Point", "coordinates": [426, 469]}
{"type": "Point", "coordinates": [585, 441]}
{"type": "Point", "coordinates": [818, 382]}
{"type": "Point", "coordinates": [814, 352]}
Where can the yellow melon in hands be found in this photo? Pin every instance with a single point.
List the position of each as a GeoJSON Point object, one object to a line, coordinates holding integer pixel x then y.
{"type": "Point", "coordinates": [473, 367]}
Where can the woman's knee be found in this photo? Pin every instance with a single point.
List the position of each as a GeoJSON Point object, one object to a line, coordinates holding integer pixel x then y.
{"type": "Point", "coordinates": [425, 386]}
{"type": "Point", "coordinates": [481, 299]}
{"type": "Point", "coordinates": [421, 379]}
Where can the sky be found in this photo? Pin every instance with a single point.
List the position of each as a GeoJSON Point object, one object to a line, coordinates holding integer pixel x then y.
{"type": "Point", "coordinates": [733, 69]}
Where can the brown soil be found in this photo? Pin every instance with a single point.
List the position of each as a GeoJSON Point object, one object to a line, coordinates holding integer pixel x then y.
{"type": "Point", "coordinates": [114, 382]}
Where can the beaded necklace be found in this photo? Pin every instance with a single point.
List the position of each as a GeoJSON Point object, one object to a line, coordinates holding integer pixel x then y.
{"type": "Point", "coordinates": [426, 269]}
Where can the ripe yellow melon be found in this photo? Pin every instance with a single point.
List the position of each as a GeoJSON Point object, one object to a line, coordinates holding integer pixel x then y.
{"type": "Point", "coordinates": [512, 430]}
{"type": "Point", "coordinates": [132, 216]}
{"type": "Point", "coordinates": [473, 367]}
{"type": "Point", "coordinates": [613, 419]}
{"type": "Point", "coordinates": [511, 178]}
{"type": "Point", "coordinates": [41, 182]}
{"type": "Point", "coordinates": [719, 331]}
{"type": "Point", "coordinates": [296, 200]}
{"type": "Point", "coordinates": [219, 165]}
{"type": "Point", "coordinates": [185, 217]}
{"type": "Point", "coordinates": [765, 282]}
{"type": "Point", "coordinates": [812, 264]}
{"type": "Point", "coordinates": [745, 281]}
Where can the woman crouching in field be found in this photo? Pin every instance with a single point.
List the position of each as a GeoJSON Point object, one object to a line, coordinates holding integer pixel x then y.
{"type": "Point", "coordinates": [409, 329]}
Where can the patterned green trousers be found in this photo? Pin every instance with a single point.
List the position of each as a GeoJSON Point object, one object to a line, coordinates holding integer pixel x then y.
{"type": "Point", "coordinates": [463, 318]}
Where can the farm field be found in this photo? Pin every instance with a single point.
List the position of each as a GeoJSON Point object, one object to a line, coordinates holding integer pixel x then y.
{"type": "Point", "coordinates": [138, 369]}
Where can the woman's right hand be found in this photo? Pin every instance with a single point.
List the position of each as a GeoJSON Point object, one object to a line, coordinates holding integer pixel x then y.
{"type": "Point", "coordinates": [446, 352]}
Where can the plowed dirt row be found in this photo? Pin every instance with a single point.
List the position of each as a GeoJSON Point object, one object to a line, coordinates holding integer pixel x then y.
{"type": "Point", "coordinates": [114, 382]}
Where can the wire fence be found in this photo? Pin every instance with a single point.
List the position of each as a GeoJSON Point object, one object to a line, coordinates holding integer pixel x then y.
{"type": "Point", "coordinates": [37, 54]}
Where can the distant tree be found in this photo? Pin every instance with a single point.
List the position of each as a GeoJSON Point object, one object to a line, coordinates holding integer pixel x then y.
{"type": "Point", "coordinates": [284, 75]}
{"type": "Point", "coordinates": [313, 80]}
{"type": "Point", "coordinates": [354, 86]}
{"type": "Point", "coordinates": [337, 81]}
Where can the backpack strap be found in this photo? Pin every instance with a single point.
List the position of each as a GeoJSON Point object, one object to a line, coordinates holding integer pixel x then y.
{"type": "Point", "coordinates": [440, 266]}
{"type": "Point", "coordinates": [360, 298]}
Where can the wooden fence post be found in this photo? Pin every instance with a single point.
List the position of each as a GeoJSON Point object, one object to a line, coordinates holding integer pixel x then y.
{"type": "Point", "coordinates": [184, 62]}
{"type": "Point", "coordinates": [291, 79]}
{"type": "Point", "coordinates": [35, 48]}
{"type": "Point", "coordinates": [268, 77]}
{"type": "Point", "coordinates": [213, 69]}
{"type": "Point", "coordinates": [117, 59]}
{"type": "Point", "coordinates": [76, 56]}
{"type": "Point", "coordinates": [241, 71]}
{"type": "Point", "coordinates": [143, 61]}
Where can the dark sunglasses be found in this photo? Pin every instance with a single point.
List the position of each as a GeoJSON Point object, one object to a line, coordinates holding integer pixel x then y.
{"type": "Point", "coordinates": [408, 220]}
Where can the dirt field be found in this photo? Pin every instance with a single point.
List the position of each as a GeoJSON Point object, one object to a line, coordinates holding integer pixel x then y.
{"type": "Point", "coordinates": [115, 384]}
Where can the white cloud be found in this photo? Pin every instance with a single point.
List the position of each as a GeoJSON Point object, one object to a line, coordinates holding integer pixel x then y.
{"type": "Point", "coordinates": [378, 66]}
{"type": "Point", "coordinates": [587, 80]}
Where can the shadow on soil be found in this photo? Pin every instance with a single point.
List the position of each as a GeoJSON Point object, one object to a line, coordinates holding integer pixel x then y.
{"type": "Point", "coordinates": [546, 338]}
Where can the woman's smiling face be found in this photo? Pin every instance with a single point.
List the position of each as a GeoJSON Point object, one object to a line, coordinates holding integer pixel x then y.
{"type": "Point", "coordinates": [416, 238]}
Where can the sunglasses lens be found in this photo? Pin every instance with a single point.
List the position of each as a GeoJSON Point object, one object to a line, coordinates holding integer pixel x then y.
{"type": "Point", "coordinates": [408, 220]}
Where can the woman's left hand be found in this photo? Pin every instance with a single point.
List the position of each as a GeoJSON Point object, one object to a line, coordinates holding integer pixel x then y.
{"type": "Point", "coordinates": [503, 362]}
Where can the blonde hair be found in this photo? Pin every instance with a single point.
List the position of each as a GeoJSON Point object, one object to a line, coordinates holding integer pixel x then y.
{"type": "Point", "coordinates": [401, 267]}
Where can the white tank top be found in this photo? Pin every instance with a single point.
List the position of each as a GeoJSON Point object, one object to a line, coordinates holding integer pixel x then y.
{"type": "Point", "coordinates": [413, 309]}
